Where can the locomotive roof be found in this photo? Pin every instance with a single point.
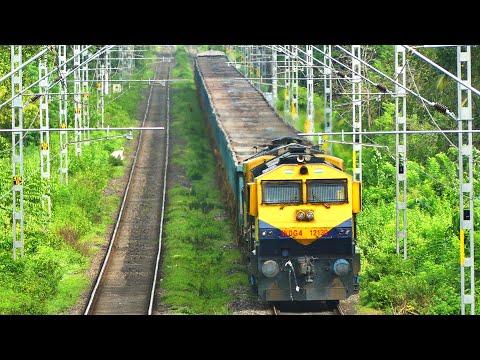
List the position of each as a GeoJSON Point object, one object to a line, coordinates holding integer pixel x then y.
{"type": "Point", "coordinates": [283, 145]}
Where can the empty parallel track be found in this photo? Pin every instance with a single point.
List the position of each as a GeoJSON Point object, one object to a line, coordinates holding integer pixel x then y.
{"type": "Point", "coordinates": [127, 280]}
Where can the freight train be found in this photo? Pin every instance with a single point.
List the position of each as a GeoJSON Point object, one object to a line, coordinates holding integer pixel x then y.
{"type": "Point", "coordinates": [294, 205]}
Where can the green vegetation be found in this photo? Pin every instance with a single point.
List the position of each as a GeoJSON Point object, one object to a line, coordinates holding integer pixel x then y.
{"type": "Point", "coordinates": [59, 249]}
{"type": "Point", "coordinates": [211, 47]}
{"type": "Point", "coordinates": [200, 262]}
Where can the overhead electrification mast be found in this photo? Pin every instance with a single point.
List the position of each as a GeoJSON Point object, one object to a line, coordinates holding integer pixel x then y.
{"type": "Point", "coordinates": [44, 136]}
{"type": "Point", "coordinates": [401, 149]}
{"type": "Point", "coordinates": [357, 113]}
{"type": "Point", "coordinates": [85, 94]}
{"type": "Point", "coordinates": [17, 151]}
{"type": "Point", "coordinates": [63, 120]}
{"type": "Point", "coordinates": [309, 122]}
{"type": "Point", "coordinates": [294, 62]}
{"type": "Point", "coordinates": [465, 174]}
{"type": "Point", "coordinates": [327, 112]}
{"type": "Point", "coordinates": [287, 97]}
{"type": "Point", "coordinates": [77, 99]}
{"type": "Point", "coordinates": [274, 77]}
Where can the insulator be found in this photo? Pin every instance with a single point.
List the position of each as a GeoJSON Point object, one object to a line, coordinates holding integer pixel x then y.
{"type": "Point", "coordinates": [440, 108]}
{"type": "Point", "coordinates": [35, 98]}
{"type": "Point", "coordinates": [381, 88]}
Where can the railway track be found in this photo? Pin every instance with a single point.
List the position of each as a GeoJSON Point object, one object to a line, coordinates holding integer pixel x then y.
{"type": "Point", "coordinates": [126, 283]}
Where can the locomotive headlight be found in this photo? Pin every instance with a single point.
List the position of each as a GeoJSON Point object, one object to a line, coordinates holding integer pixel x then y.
{"type": "Point", "coordinates": [264, 233]}
{"type": "Point", "coordinates": [304, 170]}
{"type": "Point", "coordinates": [300, 215]}
{"type": "Point", "coordinates": [341, 267]}
{"type": "Point", "coordinates": [310, 215]}
{"type": "Point", "coordinates": [270, 268]}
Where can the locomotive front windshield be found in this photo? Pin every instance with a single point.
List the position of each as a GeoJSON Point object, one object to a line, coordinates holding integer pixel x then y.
{"type": "Point", "coordinates": [327, 191]}
{"type": "Point", "coordinates": [281, 192]}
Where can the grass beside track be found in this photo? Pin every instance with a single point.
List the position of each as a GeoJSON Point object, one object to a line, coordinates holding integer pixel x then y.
{"type": "Point", "coordinates": [201, 263]}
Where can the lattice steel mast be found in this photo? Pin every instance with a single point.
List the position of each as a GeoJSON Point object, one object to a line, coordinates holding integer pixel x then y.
{"type": "Point", "coordinates": [465, 171]}
{"type": "Point", "coordinates": [310, 120]}
{"type": "Point", "coordinates": [77, 99]}
{"type": "Point", "coordinates": [274, 77]}
{"type": "Point", "coordinates": [63, 120]}
{"type": "Point", "coordinates": [401, 149]}
{"type": "Point", "coordinates": [44, 136]}
{"type": "Point", "coordinates": [85, 95]}
{"type": "Point", "coordinates": [327, 112]}
{"type": "Point", "coordinates": [294, 92]}
{"type": "Point", "coordinates": [287, 93]}
{"type": "Point", "coordinates": [100, 69]}
{"type": "Point", "coordinates": [106, 88]}
{"type": "Point", "coordinates": [17, 152]}
{"type": "Point", "coordinates": [357, 113]}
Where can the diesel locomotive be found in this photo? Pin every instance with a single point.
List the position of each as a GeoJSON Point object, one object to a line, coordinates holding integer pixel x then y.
{"type": "Point", "coordinates": [294, 205]}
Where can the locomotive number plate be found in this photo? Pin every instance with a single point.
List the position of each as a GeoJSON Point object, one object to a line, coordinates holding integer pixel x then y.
{"type": "Point", "coordinates": [305, 233]}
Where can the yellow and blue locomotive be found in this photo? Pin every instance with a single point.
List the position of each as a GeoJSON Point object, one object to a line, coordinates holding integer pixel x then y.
{"type": "Point", "coordinates": [294, 206]}
{"type": "Point", "coordinates": [299, 224]}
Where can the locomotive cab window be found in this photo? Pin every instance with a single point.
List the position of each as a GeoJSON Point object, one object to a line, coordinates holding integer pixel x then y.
{"type": "Point", "coordinates": [327, 191]}
{"type": "Point", "coordinates": [281, 192]}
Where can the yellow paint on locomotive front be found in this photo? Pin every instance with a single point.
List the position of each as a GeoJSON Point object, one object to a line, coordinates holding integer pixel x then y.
{"type": "Point", "coordinates": [250, 164]}
{"type": "Point", "coordinates": [283, 216]}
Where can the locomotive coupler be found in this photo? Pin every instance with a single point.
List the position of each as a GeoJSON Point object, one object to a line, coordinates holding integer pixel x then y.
{"type": "Point", "coordinates": [307, 267]}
